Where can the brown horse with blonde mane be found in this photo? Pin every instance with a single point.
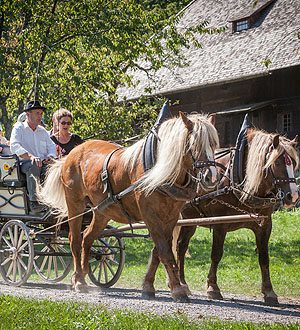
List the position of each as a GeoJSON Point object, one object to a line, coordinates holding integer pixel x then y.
{"type": "Point", "coordinates": [184, 166]}
{"type": "Point", "coordinates": [268, 178]}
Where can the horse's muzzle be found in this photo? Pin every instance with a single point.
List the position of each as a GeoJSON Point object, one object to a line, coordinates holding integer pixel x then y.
{"type": "Point", "coordinates": [210, 178]}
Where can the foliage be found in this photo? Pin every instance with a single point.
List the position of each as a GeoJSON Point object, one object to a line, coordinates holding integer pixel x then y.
{"type": "Point", "coordinates": [19, 313]}
{"type": "Point", "coordinates": [74, 54]}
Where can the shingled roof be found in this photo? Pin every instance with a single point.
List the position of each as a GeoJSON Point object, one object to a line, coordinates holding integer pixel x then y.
{"type": "Point", "coordinates": [231, 56]}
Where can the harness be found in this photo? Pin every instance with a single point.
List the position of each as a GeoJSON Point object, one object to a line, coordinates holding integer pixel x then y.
{"type": "Point", "coordinates": [180, 193]}
{"type": "Point", "coordinates": [236, 177]}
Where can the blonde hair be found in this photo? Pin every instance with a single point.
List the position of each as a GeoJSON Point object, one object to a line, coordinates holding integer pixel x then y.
{"type": "Point", "coordinates": [174, 141]}
{"type": "Point", "coordinates": [60, 113]}
{"type": "Point", "coordinates": [260, 143]}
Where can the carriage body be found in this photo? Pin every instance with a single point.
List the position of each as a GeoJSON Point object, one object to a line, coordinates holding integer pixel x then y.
{"type": "Point", "coordinates": [37, 241]}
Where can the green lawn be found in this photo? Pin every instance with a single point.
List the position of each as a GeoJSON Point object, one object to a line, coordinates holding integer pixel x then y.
{"type": "Point", "coordinates": [19, 313]}
{"type": "Point", "coordinates": [239, 271]}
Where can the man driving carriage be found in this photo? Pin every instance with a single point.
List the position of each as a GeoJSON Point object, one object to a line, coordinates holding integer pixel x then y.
{"type": "Point", "coordinates": [32, 144]}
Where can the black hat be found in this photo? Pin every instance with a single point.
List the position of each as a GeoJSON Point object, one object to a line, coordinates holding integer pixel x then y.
{"type": "Point", "coordinates": [33, 105]}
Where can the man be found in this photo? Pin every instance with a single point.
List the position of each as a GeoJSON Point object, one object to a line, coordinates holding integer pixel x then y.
{"type": "Point", "coordinates": [31, 142]}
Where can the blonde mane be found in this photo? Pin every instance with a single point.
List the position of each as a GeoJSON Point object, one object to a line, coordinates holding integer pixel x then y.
{"type": "Point", "coordinates": [260, 142]}
{"type": "Point", "coordinates": [174, 142]}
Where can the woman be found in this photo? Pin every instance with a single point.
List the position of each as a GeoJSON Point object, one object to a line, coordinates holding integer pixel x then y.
{"type": "Point", "coordinates": [65, 140]}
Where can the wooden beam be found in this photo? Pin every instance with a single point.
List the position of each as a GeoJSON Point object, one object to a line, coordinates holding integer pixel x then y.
{"type": "Point", "coordinates": [191, 222]}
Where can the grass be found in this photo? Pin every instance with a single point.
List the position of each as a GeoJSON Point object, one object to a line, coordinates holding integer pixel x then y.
{"type": "Point", "coordinates": [238, 273]}
{"type": "Point", "coordinates": [239, 270]}
{"type": "Point", "coordinates": [21, 313]}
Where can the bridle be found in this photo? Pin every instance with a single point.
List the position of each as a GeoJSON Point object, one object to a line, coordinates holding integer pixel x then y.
{"type": "Point", "coordinates": [201, 166]}
{"type": "Point", "coordinates": [277, 181]}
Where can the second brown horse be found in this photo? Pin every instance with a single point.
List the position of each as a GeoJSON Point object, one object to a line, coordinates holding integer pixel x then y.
{"type": "Point", "coordinates": [269, 167]}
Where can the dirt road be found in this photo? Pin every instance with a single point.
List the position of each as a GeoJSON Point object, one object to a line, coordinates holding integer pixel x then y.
{"type": "Point", "coordinates": [233, 307]}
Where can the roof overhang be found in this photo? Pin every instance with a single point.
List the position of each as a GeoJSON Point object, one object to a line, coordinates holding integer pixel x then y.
{"type": "Point", "coordinates": [246, 108]}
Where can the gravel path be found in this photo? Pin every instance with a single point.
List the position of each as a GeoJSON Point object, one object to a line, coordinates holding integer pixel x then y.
{"type": "Point", "coordinates": [233, 307]}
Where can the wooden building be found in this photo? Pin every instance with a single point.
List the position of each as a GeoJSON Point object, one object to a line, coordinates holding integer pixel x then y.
{"type": "Point", "coordinates": [227, 76]}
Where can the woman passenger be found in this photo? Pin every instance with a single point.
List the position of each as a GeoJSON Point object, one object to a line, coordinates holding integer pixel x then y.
{"type": "Point", "coordinates": [65, 140]}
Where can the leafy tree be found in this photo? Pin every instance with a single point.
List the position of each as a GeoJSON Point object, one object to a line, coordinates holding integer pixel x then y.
{"type": "Point", "coordinates": [74, 54]}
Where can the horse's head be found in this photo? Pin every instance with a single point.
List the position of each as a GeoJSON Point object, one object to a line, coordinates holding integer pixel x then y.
{"type": "Point", "coordinates": [202, 140]}
{"type": "Point", "coordinates": [281, 169]}
{"type": "Point", "coordinates": [271, 162]}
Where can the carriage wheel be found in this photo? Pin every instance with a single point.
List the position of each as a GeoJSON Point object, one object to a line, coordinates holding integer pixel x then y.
{"type": "Point", "coordinates": [53, 261]}
{"type": "Point", "coordinates": [16, 253]}
{"type": "Point", "coordinates": [107, 258]}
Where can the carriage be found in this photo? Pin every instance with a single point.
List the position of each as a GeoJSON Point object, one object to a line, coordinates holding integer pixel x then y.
{"type": "Point", "coordinates": [42, 242]}
{"type": "Point", "coordinates": [37, 241]}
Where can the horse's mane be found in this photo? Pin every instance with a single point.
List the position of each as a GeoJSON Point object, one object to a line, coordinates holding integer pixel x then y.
{"type": "Point", "coordinates": [260, 141]}
{"type": "Point", "coordinates": [174, 142]}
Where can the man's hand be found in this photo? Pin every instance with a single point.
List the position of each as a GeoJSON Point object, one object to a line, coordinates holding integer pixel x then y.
{"type": "Point", "coordinates": [48, 160]}
{"type": "Point", "coordinates": [36, 160]}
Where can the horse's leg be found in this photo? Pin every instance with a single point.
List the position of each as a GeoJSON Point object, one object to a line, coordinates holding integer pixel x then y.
{"type": "Point", "coordinates": [75, 226]}
{"type": "Point", "coordinates": [262, 235]}
{"type": "Point", "coordinates": [93, 231]}
{"type": "Point", "coordinates": [148, 291]}
{"type": "Point", "coordinates": [186, 232]}
{"type": "Point", "coordinates": [162, 237]}
{"type": "Point", "coordinates": [212, 289]}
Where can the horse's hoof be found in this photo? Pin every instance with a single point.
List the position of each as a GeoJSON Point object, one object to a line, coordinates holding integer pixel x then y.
{"type": "Point", "coordinates": [81, 288]}
{"type": "Point", "coordinates": [186, 289]}
{"type": "Point", "coordinates": [214, 295]}
{"type": "Point", "coordinates": [179, 295]}
{"type": "Point", "coordinates": [271, 301]}
{"type": "Point", "coordinates": [181, 298]}
{"type": "Point", "coordinates": [148, 295]}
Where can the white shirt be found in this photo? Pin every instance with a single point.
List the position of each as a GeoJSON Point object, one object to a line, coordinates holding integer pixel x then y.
{"type": "Point", "coordinates": [3, 140]}
{"type": "Point", "coordinates": [38, 143]}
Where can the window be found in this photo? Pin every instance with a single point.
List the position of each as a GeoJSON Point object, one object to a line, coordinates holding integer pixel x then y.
{"type": "Point", "coordinates": [287, 122]}
{"type": "Point", "coordinates": [242, 25]}
{"type": "Point", "coordinates": [250, 16]}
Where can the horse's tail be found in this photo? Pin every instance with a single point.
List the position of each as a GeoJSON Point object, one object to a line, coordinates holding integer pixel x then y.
{"type": "Point", "coordinates": [52, 193]}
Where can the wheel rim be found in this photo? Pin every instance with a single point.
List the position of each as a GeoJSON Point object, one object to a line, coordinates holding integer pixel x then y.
{"type": "Point", "coordinates": [53, 261]}
{"type": "Point", "coordinates": [16, 253]}
{"type": "Point", "coordinates": [107, 260]}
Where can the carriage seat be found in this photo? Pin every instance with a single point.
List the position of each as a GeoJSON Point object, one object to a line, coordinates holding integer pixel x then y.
{"type": "Point", "coordinates": [10, 172]}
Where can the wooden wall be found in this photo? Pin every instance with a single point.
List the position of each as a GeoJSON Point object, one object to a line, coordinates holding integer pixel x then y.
{"type": "Point", "coordinates": [282, 87]}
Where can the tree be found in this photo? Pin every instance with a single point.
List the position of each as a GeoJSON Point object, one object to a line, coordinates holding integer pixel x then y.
{"type": "Point", "coordinates": [74, 54]}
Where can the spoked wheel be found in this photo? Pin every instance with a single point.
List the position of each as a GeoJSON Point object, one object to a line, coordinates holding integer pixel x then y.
{"type": "Point", "coordinates": [53, 259]}
{"type": "Point", "coordinates": [107, 258]}
{"type": "Point", "coordinates": [16, 253]}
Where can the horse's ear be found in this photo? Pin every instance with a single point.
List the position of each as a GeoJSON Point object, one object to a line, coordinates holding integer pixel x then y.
{"type": "Point", "coordinates": [212, 118]}
{"type": "Point", "coordinates": [295, 140]}
{"type": "Point", "coordinates": [187, 123]}
{"type": "Point", "coordinates": [276, 141]}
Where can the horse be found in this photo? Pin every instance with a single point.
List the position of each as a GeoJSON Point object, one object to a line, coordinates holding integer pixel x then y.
{"type": "Point", "coordinates": [268, 176]}
{"type": "Point", "coordinates": [183, 167]}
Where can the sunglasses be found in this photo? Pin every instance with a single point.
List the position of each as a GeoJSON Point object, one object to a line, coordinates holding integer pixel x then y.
{"type": "Point", "coordinates": [66, 122]}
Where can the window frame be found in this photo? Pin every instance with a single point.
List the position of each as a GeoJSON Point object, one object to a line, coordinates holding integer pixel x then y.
{"type": "Point", "coordinates": [287, 122]}
{"type": "Point", "coordinates": [242, 25]}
